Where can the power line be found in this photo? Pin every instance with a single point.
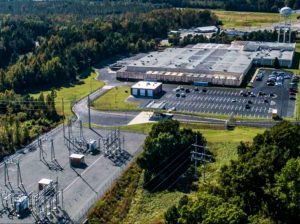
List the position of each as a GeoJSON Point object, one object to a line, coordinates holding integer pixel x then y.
{"type": "Point", "coordinates": [161, 171]}
{"type": "Point", "coordinates": [183, 163]}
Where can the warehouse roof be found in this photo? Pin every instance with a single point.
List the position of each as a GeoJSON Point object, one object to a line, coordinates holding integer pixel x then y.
{"type": "Point", "coordinates": [208, 58]}
{"type": "Point", "coordinates": [146, 85]}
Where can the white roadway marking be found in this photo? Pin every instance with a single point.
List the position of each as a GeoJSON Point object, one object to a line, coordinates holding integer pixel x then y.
{"type": "Point", "coordinates": [82, 173]}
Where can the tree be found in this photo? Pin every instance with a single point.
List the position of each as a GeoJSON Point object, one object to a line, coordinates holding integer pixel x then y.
{"type": "Point", "coordinates": [287, 190]}
{"type": "Point", "coordinates": [172, 215]}
{"type": "Point", "coordinates": [166, 153]}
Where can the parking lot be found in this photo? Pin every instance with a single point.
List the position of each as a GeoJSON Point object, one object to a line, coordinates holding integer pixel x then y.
{"type": "Point", "coordinates": [255, 102]}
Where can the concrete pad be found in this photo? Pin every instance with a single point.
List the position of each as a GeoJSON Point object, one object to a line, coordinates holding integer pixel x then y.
{"type": "Point", "coordinates": [142, 118]}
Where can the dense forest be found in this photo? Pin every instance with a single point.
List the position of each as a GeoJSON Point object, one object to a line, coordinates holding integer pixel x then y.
{"type": "Point", "coordinates": [261, 186]}
{"type": "Point", "coordinates": [81, 9]}
{"type": "Point", "coordinates": [57, 53]}
{"type": "Point", "coordinates": [86, 8]}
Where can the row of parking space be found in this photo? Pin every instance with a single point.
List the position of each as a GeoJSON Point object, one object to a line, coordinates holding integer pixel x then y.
{"type": "Point", "coordinates": [220, 99]}
{"type": "Point", "coordinates": [219, 108]}
{"type": "Point", "coordinates": [219, 92]}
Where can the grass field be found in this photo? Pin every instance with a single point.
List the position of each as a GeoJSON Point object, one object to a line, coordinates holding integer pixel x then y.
{"type": "Point", "coordinates": [73, 93]}
{"type": "Point", "coordinates": [232, 19]}
{"type": "Point", "coordinates": [115, 99]}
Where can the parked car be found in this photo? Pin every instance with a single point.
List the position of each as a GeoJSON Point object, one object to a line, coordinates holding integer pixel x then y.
{"type": "Point", "coordinates": [204, 90]}
{"type": "Point", "coordinates": [247, 106]}
{"type": "Point", "coordinates": [187, 90]}
{"type": "Point", "coordinates": [196, 89]}
{"type": "Point", "coordinates": [182, 95]}
{"type": "Point", "coordinates": [171, 109]}
{"type": "Point", "coordinates": [291, 90]}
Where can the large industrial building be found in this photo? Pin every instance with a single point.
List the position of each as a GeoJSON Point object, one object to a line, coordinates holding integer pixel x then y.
{"type": "Point", "coordinates": [217, 64]}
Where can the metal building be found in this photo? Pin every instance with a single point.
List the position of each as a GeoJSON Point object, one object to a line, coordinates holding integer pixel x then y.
{"type": "Point", "coordinates": [146, 89]}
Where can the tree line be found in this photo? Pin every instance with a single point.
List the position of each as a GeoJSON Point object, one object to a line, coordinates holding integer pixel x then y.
{"type": "Point", "coordinates": [81, 8]}
{"type": "Point", "coordinates": [22, 118]}
{"type": "Point", "coordinates": [223, 38]}
{"type": "Point", "coordinates": [235, 5]}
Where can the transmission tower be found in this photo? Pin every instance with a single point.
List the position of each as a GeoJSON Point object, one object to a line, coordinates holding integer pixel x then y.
{"type": "Point", "coordinates": [202, 157]}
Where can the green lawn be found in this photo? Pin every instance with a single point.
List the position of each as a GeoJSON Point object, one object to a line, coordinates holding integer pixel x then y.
{"type": "Point", "coordinates": [213, 133]}
{"type": "Point", "coordinates": [74, 93]}
{"type": "Point", "coordinates": [232, 19]}
{"type": "Point", "coordinates": [115, 99]}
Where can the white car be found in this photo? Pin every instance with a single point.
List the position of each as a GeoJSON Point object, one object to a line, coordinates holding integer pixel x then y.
{"type": "Point", "coordinates": [278, 84]}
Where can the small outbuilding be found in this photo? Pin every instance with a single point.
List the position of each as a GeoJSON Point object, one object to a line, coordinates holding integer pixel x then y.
{"type": "Point", "coordinates": [44, 183]}
{"type": "Point", "coordinates": [76, 160]}
{"type": "Point", "coordinates": [146, 89]}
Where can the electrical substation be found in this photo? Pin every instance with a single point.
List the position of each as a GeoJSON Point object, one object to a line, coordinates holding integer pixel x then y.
{"type": "Point", "coordinates": [59, 176]}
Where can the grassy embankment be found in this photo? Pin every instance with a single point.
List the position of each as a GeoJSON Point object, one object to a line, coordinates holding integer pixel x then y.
{"type": "Point", "coordinates": [233, 19]}
{"type": "Point", "coordinates": [141, 206]}
{"type": "Point", "coordinates": [115, 100]}
{"type": "Point", "coordinates": [73, 93]}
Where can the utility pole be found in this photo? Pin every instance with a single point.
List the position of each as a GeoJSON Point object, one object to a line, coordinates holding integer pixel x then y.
{"type": "Point", "coordinates": [200, 156]}
{"type": "Point", "coordinates": [63, 112]}
{"type": "Point", "coordinates": [52, 151]}
{"type": "Point", "coordinates": [89, 111]}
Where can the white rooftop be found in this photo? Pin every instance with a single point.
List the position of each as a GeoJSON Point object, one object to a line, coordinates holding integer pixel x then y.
{"type": "Point", "coordinates": [76, 156]}
{"type": "Point", "coordinates": [146, 85]}
{"type": "Point", "coordinates": [209, 58]}
{"type": "Point", "coordinates": [45, 181]}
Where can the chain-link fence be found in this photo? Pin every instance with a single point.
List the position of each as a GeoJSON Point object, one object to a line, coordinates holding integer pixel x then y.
{"type": "Point", "coordinates": [82, 216]}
